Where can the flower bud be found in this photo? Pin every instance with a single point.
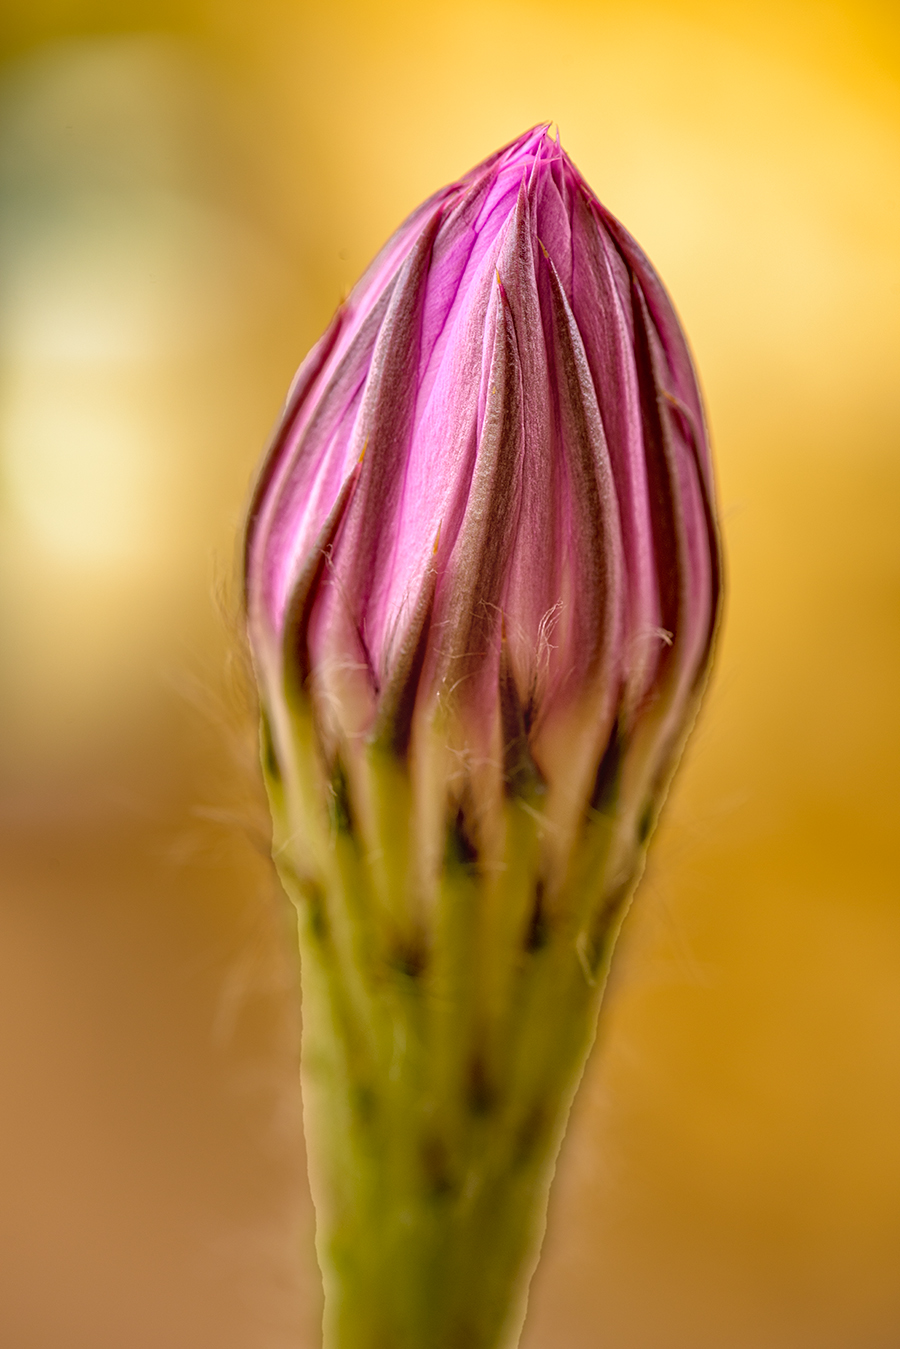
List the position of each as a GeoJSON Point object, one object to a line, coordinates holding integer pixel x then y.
{"type": "Point", "coordinates": [482, 583]}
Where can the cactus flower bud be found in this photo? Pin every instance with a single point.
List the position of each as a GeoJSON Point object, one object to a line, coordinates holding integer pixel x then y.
{"type": "Point", "coordinates": [482, 583]}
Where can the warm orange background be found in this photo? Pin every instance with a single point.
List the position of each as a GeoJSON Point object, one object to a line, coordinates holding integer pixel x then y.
{"type": "Point", "coordinates": [185, 189]}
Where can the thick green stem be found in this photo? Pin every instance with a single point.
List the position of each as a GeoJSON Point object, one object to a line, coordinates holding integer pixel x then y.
{"type": "Point", "coordinates": [449, 1003]}
{"type": "Point", "coordinates": [435, 1095]}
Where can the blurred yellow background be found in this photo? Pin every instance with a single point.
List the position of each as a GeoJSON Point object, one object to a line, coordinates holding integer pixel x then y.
{"type": "Point", "coordinates": [185, 192]}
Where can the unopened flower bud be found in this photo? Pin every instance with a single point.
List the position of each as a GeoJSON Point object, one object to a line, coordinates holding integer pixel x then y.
{"type": "Point", "coordinates": [482, 583]}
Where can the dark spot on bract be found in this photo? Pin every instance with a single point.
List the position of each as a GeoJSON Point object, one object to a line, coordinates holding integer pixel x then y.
{"type": "Point", "coordinates": [410, 957]}
{"type": "Point", "coordinates": [461, 848]}
{"type": "Point", "coordinates": [531, 1132]}
{"type": "Point", "coordinates": [481, 1094]}
{"type": "Point", "coordinates": [537, 933]}
{"type": "Point", "coordinates": [271, 766]}
{"type": "Point", "coordinates": [365, 1101]}
{"type": "Point", "coordinates": [602, 923]}
{"type": "Point", "coordinates": [645, 823]}
{"type": "Point", "coordinates": [316, 911]}
{"type": "Point", "coordinates": [436, 1165]}
{"type": "Point", "coordinates": [606, 783]}
{"type": "Point", "coordinates": [341, 811]}
{"type": "Point", "coordinates": [521, 775]}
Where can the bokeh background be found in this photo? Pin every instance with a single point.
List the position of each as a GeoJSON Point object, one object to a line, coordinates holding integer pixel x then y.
{"type": "Point", "coordinates": [186, 189]}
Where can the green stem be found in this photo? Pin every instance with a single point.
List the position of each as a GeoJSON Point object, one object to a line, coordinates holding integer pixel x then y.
{"type": "Point", "coordinates": [435, 1100]}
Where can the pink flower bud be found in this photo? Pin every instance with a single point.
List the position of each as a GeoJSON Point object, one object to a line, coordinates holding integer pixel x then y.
{"type": "Point", "coordinates": [491, 493]}
{"type": "Point", "coordinates": [482, 585]}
